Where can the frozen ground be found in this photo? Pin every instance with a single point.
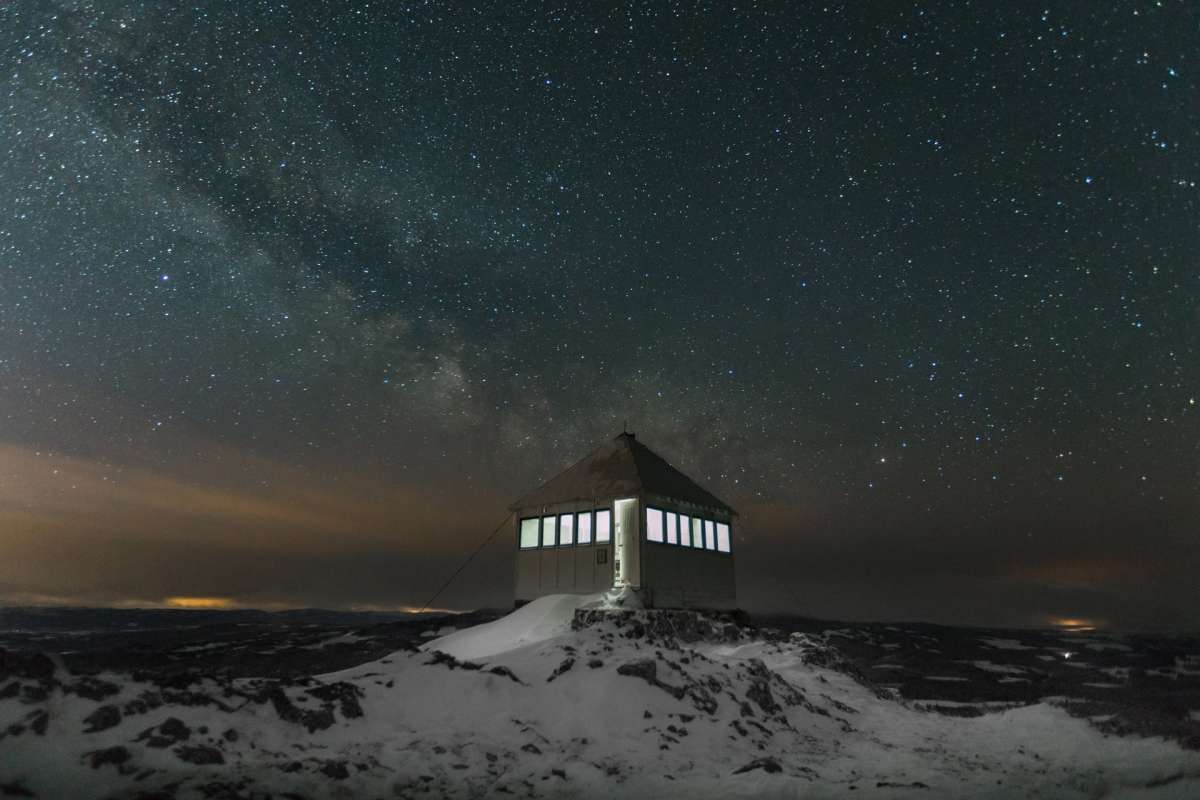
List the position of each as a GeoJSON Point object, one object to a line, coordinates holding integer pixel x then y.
{"type": "Point", "coordinates": [547, 702]}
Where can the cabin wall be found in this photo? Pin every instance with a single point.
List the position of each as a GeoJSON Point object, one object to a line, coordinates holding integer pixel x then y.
{"type": "Point", "coordinates": [565, 569]}
{"type": "Point", "coordinates": [674, 576]}
{"type": "Point", "coordinates": [669, 575]}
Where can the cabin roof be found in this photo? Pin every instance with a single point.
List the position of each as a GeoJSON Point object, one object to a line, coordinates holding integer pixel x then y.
{"type": "Point", "coordinates": [618, 468]}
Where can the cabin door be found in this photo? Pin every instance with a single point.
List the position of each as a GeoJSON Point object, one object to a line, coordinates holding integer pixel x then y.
{"type": "Point", "coordinates": [626, 567]}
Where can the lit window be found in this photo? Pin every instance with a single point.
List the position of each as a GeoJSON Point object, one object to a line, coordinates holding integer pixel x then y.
{"type": "Point", "coordinates": [603, 525]}
{"type": "Point", "coordinates": [654, 525]}
{"type": "Point", "coordinates": [529, 533]}
{"type": "Point", "coordinates": [722, 537]}
{"type": "Point", "coordinates": [672, 528]}
{"type": "Point", "coordinates": [585, 527]}
{"type": "Point", "coordinates": [566, 529]}
{"type": "Point", "coordinates": [710, 541]}
{"type": "Point", "coordinates": [548, 531]}
{"type": "Point", "coordinates": [685, 530]}
{"type": "Point", "coordinates": [697, 532]}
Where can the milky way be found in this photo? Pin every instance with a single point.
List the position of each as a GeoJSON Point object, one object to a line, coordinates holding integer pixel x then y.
{"type": "Point", "coordinates": [295, 297]}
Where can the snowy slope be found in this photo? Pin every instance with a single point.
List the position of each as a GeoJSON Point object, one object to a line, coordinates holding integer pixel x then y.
{"type": "Point", "coordinates": [544, 618]}
{"type": "Point", "coordinates": [631, 704]}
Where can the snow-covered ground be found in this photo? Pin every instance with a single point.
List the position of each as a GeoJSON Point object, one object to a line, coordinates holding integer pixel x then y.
{"type": "Point", "coordinates": [544, 704]}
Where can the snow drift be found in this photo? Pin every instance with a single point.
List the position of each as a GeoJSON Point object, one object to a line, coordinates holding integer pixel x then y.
{"type": "Point", "coordinates": [544, 618]}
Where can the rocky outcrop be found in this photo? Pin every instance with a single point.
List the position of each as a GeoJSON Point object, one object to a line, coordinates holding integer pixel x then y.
{"type": "Point", "coordinates": [767, 764]}
{"type": "Point", "coordinates": [647, 670]}
{"type": "Point", "coordinates": [169, 732]}
{"type": "Point", "coordinates": [666, 626]}
{"type": "Point", "coordinates": [102, 719]}
{"type": "Point", "coordinates": [116, 756]}
{"type": "Point", "coordinates": [201, 755]}
{"type": "Point", "coordinates": [345, 695]}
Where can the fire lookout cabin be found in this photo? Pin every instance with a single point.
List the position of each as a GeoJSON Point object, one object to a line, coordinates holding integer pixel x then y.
{"type": "Point", "coordinates": [624, 517]}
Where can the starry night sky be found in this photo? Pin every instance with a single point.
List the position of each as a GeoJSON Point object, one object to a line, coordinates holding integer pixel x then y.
{"type": "Point", "coordinates": [295, 298]}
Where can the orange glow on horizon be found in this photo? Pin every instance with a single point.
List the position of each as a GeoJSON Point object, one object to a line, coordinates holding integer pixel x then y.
{"type": "Point", "coordinates": [1075, 624]}
{"type": "Point", "coordinates": [200, 602]}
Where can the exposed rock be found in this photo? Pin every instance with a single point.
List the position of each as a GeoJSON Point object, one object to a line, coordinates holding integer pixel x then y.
{"type": "Point", "coordinates": [170, 732]}
{"type": "Point", "coordinates": [194, 699]}
{"type": "Point", "coordinates": [766, 764]}
{"type": "Point", "coordinates": [1166, 781]}
{"type": "Point", "coordinates": [102, 718]}
{"type": "Point", "coordinates": [702, 699]}
{"type": "Point", "coordinates": [314, 720]}
{"type": "Point", "coordinates": [219, 790]}
{"type": "Point", "coordinates": [666, 625]}
{"type": "Point", "coordinates": [345, 694]}
{"type": "Point", "coordinates": [450, 661]}
{"type": "Point", "coordinates": [38, 721]}
{"type": "Point", "coordinates": [110, 755]}
{"type": "Point", "coordinates": [199, 754]}
{"type": "Point", "coordinates": [645, 669]}
{"type": "Point", "coordinates": [335, 769]}
{"type": "Point", "coordinates": [760, 687]}
{"type": "Point", "coordinates": [507, 673]}
{"type": "Point", "coordinates": [566, 664]}
{"type": "Point", "coordinates": [165, 793]}
{"type": "Point", "coordinates": [531, 748]}
{"type": "Point", "coordinates": [143, 703]}
{"type": "Point", "coordinates": [827, 657]}
{"type": "Point", "coordinates": [91, 688]}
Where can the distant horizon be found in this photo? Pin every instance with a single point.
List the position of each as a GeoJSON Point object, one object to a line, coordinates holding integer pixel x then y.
{"type": "Point", "coordinates": [1061, 626]}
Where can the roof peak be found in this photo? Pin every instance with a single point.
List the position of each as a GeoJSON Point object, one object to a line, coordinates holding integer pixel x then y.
{"type": "Point", "coordinates": [621, 467]}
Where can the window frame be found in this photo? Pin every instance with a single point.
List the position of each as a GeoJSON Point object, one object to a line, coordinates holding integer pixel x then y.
{"type": "Point", "coordinates": [728, 537]}
{"type": "Point", "coordinates": [568, 515]}
{"type": "Point", "coordinates": [537, 533]}
{"type": "Point", "coordinates": [678, 529]}
{"type": "Point", "coordinates": [607, 512]}
{"type": "Point", "coordinates": [662, 528]}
